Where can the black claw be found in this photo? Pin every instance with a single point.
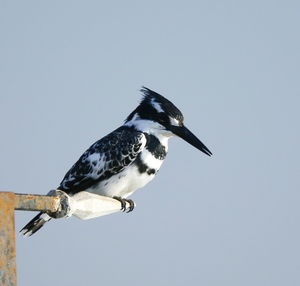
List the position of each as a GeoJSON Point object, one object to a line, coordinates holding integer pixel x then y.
{"type": "Point", "coordinates": [131, 206]}
{"type": "Point", "coordinates": [123, 204]}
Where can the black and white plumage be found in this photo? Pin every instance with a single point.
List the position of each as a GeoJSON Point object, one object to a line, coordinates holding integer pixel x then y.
{"type": "Point", "coordinates": [129, 157]}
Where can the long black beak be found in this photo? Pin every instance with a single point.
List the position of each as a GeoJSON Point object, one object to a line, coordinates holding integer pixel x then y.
{"type": "Point", "coordinates": [189, 137]}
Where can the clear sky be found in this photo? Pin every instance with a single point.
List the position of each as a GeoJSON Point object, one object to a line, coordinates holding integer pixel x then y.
{"type": "Point", "coordinates": [70, 72]}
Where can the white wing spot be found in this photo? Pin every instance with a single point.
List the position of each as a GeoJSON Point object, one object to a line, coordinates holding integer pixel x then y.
{"type": "Point", "coordinates": [94, 157]}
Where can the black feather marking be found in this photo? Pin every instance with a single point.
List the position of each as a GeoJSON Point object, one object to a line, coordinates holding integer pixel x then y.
{"type": "Point", "coordinates": [34, 225]}
{"type": "Point", "coordinates": [155, 147]}
{"type": "Point", "coordinates": [151, 172]}
{"type": "Point", "coordinates": [116, 151]}
{"type": "Point", "coordinates": [142, 167]}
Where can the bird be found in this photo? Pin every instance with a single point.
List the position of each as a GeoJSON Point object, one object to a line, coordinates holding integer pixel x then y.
{"type": "Point", "coordinates": [129, 157]}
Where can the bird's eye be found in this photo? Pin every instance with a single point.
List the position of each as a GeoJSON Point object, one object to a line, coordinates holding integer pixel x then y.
{"type": "Point", "coordinates": [164, 119]}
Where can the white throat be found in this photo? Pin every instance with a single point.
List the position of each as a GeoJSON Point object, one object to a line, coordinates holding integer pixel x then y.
{"type": "Point", "coordinates": [150, 127]}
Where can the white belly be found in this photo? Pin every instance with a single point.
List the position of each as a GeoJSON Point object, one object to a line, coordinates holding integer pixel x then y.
{"type": "Point", "coordinates": [122, 184]}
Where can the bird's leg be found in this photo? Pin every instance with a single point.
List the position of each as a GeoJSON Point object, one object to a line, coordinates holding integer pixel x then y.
{"type": "Point", "coordinates": [123, 204]}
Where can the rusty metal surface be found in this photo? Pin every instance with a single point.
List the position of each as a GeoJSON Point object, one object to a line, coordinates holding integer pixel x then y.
{"type": "Point", "coordinates": [36, 202]}
{"type": "Point", "coordinates": [8, 275]}
{"type": "Point", "coordinates": [8, 203]}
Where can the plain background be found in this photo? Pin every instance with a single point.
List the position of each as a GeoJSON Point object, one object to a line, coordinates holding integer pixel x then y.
{"type": "Point", "coordinates": [71, 71]}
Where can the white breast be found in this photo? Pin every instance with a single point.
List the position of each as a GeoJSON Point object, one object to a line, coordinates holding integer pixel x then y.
{"type": "Point", "coordinates": [122, 184]}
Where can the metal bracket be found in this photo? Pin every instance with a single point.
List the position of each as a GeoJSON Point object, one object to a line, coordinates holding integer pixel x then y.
{"type": "Point", "coordinates": [9, 202]}
{"type": "Point", "coordinates": [57, 204]}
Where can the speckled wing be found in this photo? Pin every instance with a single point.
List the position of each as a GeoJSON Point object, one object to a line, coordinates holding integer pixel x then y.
{"type": "Point", "coordinates": [105, 158]}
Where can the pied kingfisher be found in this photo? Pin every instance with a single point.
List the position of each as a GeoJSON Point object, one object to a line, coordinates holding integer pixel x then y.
{"type": "Point", "coordinates": [129, 157]}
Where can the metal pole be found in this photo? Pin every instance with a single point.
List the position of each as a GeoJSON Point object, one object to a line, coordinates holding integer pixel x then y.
{"type": "Point", "coordinates": [8, 276]}
{"type": "Point", "coordinates": [24, 202]}
{"type": "Point", "coordinates": [8, 203]}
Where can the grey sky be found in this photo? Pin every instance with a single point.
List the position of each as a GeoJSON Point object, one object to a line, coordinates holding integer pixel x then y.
{"type": "Point", "coordinates": [70, 72]}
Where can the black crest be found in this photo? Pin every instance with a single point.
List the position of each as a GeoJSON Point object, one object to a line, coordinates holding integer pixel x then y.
{"type": "Point", "coordinates": [146, 109]}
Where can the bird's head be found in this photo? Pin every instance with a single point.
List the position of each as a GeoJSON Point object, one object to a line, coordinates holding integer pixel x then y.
{"type": "Point", "coordinates": [158, 116]}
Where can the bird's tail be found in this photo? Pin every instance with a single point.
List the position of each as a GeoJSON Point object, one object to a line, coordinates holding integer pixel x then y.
{"type": "Point", "coordinates": [35, 224]}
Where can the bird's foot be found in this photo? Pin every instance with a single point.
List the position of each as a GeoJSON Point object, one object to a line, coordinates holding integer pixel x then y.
{"type": "Point", "coordinates": [64, 209]}
{"type": "Point", "coordinates": [123, 204]}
